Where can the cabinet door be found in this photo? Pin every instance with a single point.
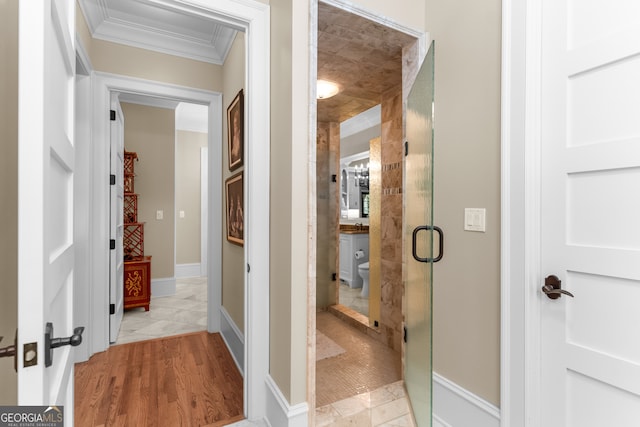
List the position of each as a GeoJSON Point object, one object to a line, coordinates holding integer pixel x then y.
{"type": "Point", "coordinates": [345, 258]}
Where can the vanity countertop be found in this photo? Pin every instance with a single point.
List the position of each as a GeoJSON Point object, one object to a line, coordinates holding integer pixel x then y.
{"type": "Point", "coordinates": [354, 229]}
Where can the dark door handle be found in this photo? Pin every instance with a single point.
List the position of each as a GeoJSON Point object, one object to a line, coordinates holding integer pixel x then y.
{"type": "Point", "coordinates": [552, 288]}
{"type": "Point", "coordinates": [50, 343]}
{"type": "Point", "coordinates": [10, 351]}
{"type": "Point", "coordinates": [414, 239]}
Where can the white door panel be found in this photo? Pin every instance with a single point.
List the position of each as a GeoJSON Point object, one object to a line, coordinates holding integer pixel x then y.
{"type": "Point", "coordinates": [590, 204]}
{"type": "Point", "coordinates": [45, 185]}
{"type": "Point", "coordinates": [116, 221]}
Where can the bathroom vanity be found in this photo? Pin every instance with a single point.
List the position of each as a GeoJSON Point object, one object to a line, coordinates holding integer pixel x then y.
{"type": "Point", "coordinates": [353, 239]}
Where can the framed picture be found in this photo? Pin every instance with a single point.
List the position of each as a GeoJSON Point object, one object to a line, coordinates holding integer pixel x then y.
{"type": "Point", "coordinates": [235, 131]}
{"type": "Point", "coordinates": [235, 209]}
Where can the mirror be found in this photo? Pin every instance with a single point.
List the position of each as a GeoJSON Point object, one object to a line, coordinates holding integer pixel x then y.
{"type": "Point", "coordinates": [354, 186]}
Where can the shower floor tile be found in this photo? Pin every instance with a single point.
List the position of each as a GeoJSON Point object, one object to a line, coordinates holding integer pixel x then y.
{"type": "Point", "coordinates": [365, 366]}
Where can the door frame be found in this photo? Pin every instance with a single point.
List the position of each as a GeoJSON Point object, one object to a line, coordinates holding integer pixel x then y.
{"type": "Point", "coordinates": [253, 18]}
{"type": "Point", "coordinates": [520, 226]}
{"type": "Point", "coordinates": [423, 39]}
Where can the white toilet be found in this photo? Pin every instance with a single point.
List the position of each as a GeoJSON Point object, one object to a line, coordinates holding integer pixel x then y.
{"type": "Point", "coordinates": [363, 271]}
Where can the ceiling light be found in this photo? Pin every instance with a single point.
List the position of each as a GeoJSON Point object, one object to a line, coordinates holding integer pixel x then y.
{"type": "Point", "coordinates": [327, 89]}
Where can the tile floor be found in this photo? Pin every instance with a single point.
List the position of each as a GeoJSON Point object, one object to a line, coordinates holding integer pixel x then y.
{"type": "Point", "coordinates": [352, 297]}
{"type": "Point", "coordinates": [386, 406]}
{"type": "Point", "coordinates": [361, 387]}
{"type": "Point", "coordinates": [186, 311]}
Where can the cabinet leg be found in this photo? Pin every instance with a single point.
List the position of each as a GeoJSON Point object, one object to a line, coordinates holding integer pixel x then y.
{"type": "Point", "coordinates": [146, 307]}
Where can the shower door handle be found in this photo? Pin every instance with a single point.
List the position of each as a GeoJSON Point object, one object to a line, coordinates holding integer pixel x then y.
{"type": "Point", "coordinates": [414, 239]}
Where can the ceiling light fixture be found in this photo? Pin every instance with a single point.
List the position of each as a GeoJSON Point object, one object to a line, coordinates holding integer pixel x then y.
{"type": "Point", "coordinates": [327, 89]}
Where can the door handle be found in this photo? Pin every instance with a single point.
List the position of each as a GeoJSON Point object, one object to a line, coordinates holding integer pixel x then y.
{"type": "Point", "coordinates": [50, 343]}
{"type": "Point", "coordinates": [10, 351]}
{"type": "Point", "coordinates": [414, 239]}
{"type": "Point", "coordinates": [552, 288]}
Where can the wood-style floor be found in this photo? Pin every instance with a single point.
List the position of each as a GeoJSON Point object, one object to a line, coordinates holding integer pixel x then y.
{"type": "Point", "coordinates": [185, 380]}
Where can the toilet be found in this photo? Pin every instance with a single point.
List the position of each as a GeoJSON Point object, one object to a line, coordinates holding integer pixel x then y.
{"type": "Point", "coordinates": [363, 271]}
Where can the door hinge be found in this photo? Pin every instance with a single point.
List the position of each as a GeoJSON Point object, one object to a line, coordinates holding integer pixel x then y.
{"type": "Point", "coordinates": [406, 148]}
{"type": "Point", "coordinates": [112, 309]}
{"type": "Point", "coordinates": [248, 268]}
{"type": "Point", "coordinates": [333, 277]}
{"type": "Point", "coordinates": [112, 244]}
{"type": "Point", "coordinates": [112, 114]}
{"type": "Point", "coordinates": [405, 334]}
{"type": "Point", "coordinates": [112, 179]}
{"type": "Point", "coordinates": [334, 178]}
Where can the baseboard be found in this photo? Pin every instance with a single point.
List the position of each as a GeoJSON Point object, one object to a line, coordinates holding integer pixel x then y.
{"type": "Point", "coordinates": [233, 337]}
{"type": "Point", "coordinates": [163, 287]}
{"type": "Point", "coordinates": [280, 413]}
{"type": "Point", "coordinates": [454, 406]}
{"type": "Point", "coordinates": [188, 270]}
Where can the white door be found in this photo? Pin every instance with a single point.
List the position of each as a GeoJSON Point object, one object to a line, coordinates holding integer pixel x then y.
{"type": "Point", "coordinates": [116, 221]}
{"type": "Point", "coordinates": [590, 344]}
{"type": "Point", "coordinates": [45, 208]}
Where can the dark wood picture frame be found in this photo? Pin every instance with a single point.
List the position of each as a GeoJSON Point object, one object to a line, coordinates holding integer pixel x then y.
{"type": "Point", "coordinates": [235, 209]}
{"type": "Point", "coordinates": [235, 131]}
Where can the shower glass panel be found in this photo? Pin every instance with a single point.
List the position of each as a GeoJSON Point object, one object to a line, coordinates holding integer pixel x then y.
{"type": "Point", "coordinates": [418, 241]}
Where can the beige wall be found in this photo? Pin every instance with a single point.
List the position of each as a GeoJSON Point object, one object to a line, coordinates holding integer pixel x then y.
{"type": "Point", "coordinates": [233, 265]}
{"type": "Point", "coordinates": [188, 145]}
{"type": "Point", "coordinates": [150, 132]}
{"type": "Point", "coordinates": [8, 193]}
{"type": "Point", "coordinates": [466, 294]}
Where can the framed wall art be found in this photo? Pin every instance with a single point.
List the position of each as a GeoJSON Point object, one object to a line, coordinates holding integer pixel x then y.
{"type": "Point", "coordinates": [235, 131]}
{"type": "Point", "coordinates": [235, 209]}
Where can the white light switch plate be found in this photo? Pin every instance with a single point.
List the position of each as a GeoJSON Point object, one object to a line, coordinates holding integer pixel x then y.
{"type": "Point", "coordinates": [181, 214]}
{"type": "Point", "coordinates": [475, 219]}
{"type": "Point", "coordinates": [159, 214]}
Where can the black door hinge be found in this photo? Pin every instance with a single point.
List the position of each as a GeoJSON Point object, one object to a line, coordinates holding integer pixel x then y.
{"type": "Point", "coordinates": [112, 179]}
{"type": "Point", "coordinates": [112, 244]}
{"type": "Point", "coordinates": [112, 114]}
{"type": "Point", "coordinates": [112, 309]}
{"type": "Point", "coordinates": [406, 148]}
{"type": "Point", "coordinates": [405, 334]}
{"type": "Point", "coordinates": [334, 178]}
{"type": "Point", "coordinates": [334, 277]}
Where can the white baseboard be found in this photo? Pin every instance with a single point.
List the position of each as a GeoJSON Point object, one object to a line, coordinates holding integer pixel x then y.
{"type": "Point", "coordinates": [454, 406]}
{"type": "Point", "coordinates": [188, 270]}
{"type": "Point", "coordinates": [163, 287]}
{"type": "Point", "coordinates": [233, 337]}
{"type": "Point", "coordinates": [280, 413]}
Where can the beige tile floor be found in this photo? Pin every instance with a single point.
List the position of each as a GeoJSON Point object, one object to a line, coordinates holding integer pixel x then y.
{"type": "Point", "coordinates": [184, 312]}
{"type": "Point", "coordinates": [386, 406]}
{"type": "Point", "coordinates": [352, 298]}
{"type": "Point", "coordinates": [362, 386]}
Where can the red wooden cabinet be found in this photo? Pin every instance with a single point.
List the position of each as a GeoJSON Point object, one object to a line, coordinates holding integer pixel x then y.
{"type": "Point", "coordinates": [137, 283]}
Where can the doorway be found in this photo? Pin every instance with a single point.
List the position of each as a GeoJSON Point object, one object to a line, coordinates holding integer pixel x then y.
{"type": "Point", "coordinates": [355, 75]}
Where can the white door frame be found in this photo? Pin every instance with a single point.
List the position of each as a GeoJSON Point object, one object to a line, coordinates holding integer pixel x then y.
{"type": "Point", "coordinates": [520, 228]}
{"type": "Point", "coordinates": [103, 85]}
{"type": "Point", "coordinates": [253, 18]}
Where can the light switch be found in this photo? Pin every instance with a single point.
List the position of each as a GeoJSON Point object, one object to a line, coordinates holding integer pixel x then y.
{"type": "Point", "coordinates": [181, 214]}
{"type": "Point", "coordinates": [475, 219]}
{"type": "Point", "coordinates": [159, 215]}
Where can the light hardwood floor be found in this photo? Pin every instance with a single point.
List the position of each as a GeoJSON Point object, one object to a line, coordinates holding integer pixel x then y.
{"type": "Point", "coordinates": [185, 380]}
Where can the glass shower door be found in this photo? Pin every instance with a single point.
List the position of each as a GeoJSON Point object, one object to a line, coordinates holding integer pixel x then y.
{"type": "Point", "coordinates": [418, 238]}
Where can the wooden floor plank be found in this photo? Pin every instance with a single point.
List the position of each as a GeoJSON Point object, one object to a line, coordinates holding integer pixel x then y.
{"type": "Point", "coordinates": [186, 380]}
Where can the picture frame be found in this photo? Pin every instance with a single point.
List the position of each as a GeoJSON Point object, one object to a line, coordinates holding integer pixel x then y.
{"type": "Point", "coordinates": [235, 131]}
{"type": "Point", "coordinates": [235, 209]}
